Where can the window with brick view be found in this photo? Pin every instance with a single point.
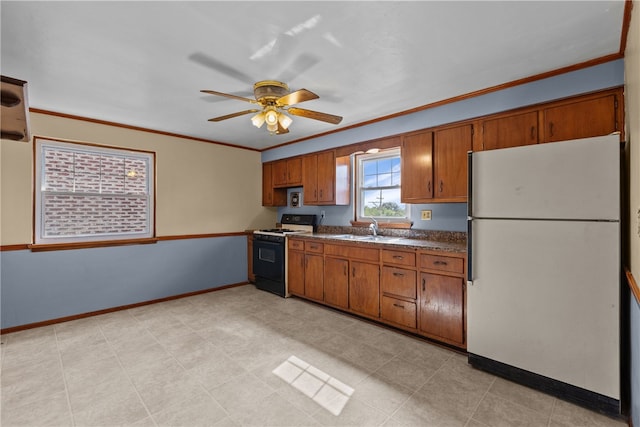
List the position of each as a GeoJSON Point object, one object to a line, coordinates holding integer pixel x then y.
{"type": "Point", "coordinates": [92, 193]}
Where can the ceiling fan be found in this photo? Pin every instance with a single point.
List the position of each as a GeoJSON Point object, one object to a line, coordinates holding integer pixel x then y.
{"type": "Point", "coordinates": [274, 100]}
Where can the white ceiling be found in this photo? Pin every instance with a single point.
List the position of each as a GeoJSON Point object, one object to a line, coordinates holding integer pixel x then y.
{"type": "Point", "coordinates": [144, 63]}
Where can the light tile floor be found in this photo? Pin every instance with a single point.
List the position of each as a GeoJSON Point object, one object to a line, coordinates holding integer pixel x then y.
{"type": "Point", "coordinates": [244, 357]}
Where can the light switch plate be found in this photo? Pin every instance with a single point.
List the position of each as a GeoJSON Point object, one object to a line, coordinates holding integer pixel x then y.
{"type": "Point", "coordinates": [425, 215]}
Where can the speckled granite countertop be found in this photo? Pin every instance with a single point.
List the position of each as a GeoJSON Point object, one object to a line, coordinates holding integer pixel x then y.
{"type": "Point", "coordinates": [445, 241]}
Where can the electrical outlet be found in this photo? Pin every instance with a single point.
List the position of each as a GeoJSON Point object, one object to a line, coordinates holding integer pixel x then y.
{"type": "Point", "coordinates": [322, 214]}
{"type": "Point", "coordinates": [425, 215]}
{"type": "Point", "coordinates": [638, 222]}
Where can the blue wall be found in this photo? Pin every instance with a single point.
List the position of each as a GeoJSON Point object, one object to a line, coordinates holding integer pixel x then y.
{"type": "Point", "coordinates": [39, 286]}
{"type": "Point", "coordinates": [603, 76]}
{"type": "Point", "coordinates": [451, 216]}
{"type": "Point", "coordinates": [445, 216]}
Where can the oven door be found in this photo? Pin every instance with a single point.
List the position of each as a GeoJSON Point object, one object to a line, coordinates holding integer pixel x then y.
{"type": "Point", "coordinates": [268, 260]}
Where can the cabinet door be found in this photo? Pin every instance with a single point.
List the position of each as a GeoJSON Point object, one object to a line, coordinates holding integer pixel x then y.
{"type": "Point", "coordinates": [310, 179]}
{"type": "Point", "coordinates": [326, 177]}
{"type": "Point", "coordinates": [364, 288]}
{"type": "Point", "coordinates": [314, 277]}
{"type": "Point", "coordinates": [417, 167]}
{"type": "Point", "coordinates": [294, 171]}
{"type": "Point", "coordinates": [336, 284]}
{"type": "Point", "coordinates": [442, 307]}
{"type": "Point", "coordinates": [267, 184]}
{"type": "Point", "coordinates": [295, 270]}
{"type": "Point", "coordinates": [279, 172]}
{"type": "Point", "coordinates": [450, 148]}
{"type": "Point", "coordinates": [511, 131]}
{"type": "Point", "coordinates": [583, 119]}
{"type": "Point", "coordinates": [271, 196]}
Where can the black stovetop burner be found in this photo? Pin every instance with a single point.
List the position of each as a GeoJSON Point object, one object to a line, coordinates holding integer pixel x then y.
{"type": "Point", "coordinates": [278, 230]}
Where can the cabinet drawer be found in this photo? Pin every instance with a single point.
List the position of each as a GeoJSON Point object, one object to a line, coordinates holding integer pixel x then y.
{"type": "Point", "coordinates": [398, 311]}
{"type": "Point", "coordinates": [442, 263]}
{"type": "Point", "coordinates": [314, 247]}
{"type": "Point", "coordinates": [399, 257]}
{"type": "Point", "coordinates": [297, 245]}
{"type": "Point", "coordinates": [398, 281]}
{"type": "Point", "coordinates": [354, 252]}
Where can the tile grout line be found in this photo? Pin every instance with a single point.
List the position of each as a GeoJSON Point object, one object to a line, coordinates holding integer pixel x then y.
{"type": "Point", "coordinates": [413, 393]}
{"type": "Point", "coordinates": [475, 409]}
{"type": "Point", "coordinates": [185, 370]}
{"type": "Point", "coordinates": [115, 353]}
{"type": "Point", "coordinates": [64, 378]}
{"type": "Point", "coordinates": [553, 409]}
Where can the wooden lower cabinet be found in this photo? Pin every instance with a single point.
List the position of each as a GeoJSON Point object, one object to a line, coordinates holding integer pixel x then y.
{"type": "Point", "coordinates": [305, 269]}
{"type": "Point", "coordinates": [336, 284]}
{"type": "Point", "coordinates": [364, 288]}
{"type": "Point", "coordinates": [442, 314]}
{"type": "Point", "coordinates": [397, 311]}
{"type": "Point", "coordinates": [314, 276]}
{"type": "Point", "coordinates": [295, 272]}
{"type": "Point", "coordinates": [422, 292]}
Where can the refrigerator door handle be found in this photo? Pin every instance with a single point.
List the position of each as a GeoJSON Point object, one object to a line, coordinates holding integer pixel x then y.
{"type": "Point", "coordinates": [469, 184]}
{"type": "Point", "coordinates": [469, 217]}
{"type": "Point", "coordinates": [469, 252]}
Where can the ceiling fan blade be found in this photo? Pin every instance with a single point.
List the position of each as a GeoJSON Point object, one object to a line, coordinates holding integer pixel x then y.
{"type": "Point", "coordinates": [228, 95]}
{"type": "Point", "coordinates": [216, 99]}
{"type": "Point", "coordinates": [329, 118]}
{"type": "Point", "coordinates": [281, 130]}
{"type": "Point", "coordinates": [297, 97]}
{"type": "Point", "coordinates": [230, 116]}
{"type": "Point", "coordinates": [210, 62]}
{"type": "Point", "coordinates": [301, 64]}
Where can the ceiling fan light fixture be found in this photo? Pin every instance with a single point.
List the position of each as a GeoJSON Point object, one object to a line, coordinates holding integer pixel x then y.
{"type": "Point", "coordinates": [271, 117]}
{"type": "Point", "coordinates": [258, 119]}
{"type": "Point", "coordinates": [285, 121]}
{"type": "Point", "coordinates": [272, 128]}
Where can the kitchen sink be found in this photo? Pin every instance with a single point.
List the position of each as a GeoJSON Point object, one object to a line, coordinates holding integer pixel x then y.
{"type": "Point", "coordinates": [367, 238]}
{"type": "Point", "coordinates": [377, 238]}
{"type": "Point", "coordinates": [348, 237]}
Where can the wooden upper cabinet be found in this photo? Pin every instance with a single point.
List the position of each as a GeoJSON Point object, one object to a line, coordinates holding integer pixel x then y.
{"type": "Point", "coordinates": [326, 179]}
{"type": "Point", "coordinates": [434, 165]}
{"type": "Point", "coordinates": [287, 172]}
{"type": "Point", "coordinates": [417, 167]}
{"type": "Point", "coordinates": [510, 131]}
{"type": "Point", "coordinates": [450, 148]}
{"type": "Point", "coordinates": [271, 196]}
{"type": "Point", "coordinates": [310, 179]}
{"type": "Point", "coordinates": [585, 118]}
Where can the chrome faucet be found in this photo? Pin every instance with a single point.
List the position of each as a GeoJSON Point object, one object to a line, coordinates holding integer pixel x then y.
{"type": "Point", "coordinates": [374, 226]}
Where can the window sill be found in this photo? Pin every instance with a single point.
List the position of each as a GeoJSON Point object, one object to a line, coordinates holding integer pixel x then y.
{"type": "Point", "coordinates": [404, 224]}
{"type": "Point", "coordinates": [41, 247]}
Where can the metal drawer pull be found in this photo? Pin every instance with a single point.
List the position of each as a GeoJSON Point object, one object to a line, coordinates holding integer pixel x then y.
{"type": "Point", "coordinates": [313, 247]}
{"type": "Point", "coordinates": [398, 257]}
{"type": "Point", "coordinates": [395, 273]}
{"type": "Point", "coordinates": [399, 306]}
{"type": "Point", "coordinates": [440, 263]}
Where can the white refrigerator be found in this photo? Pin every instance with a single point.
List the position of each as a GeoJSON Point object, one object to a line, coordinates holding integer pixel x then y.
{"type": "Point", "coordinates": [543, 290]}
